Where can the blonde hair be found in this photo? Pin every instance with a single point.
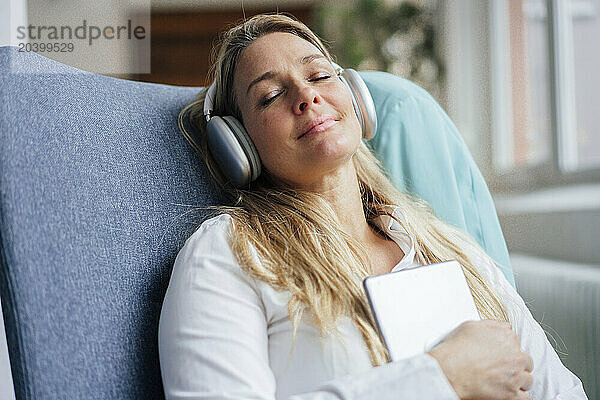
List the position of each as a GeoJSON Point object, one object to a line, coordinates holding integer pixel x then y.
{"type": "Point", "coordinates": [296, 234]}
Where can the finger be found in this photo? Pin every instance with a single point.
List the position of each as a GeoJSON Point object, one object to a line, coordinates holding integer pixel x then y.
{"type": "Point", "coordinates": [526, 380]}
{"type": "Point", "coordinates": [528, 363]}
{"type": "Point", "coordinates": [523, 395]}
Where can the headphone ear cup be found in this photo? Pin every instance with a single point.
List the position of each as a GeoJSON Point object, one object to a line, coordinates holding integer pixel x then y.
{"type": "Point", "coordinates": [362, 101]}
{"type": "Point", "coordinates": [233, 150]}
{"type": "Point", "coordinates": [247, 145]}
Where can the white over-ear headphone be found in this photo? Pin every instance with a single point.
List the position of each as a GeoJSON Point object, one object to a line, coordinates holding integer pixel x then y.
{"type": "Point", "coordinates": [234, 151]}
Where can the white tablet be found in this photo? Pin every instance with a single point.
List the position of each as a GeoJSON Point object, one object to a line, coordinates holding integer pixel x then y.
{"type": "Point", "coordinates": [416, 308]}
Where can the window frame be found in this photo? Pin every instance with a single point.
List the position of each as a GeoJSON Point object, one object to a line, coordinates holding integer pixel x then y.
{"type": "Point", "coordinates": [561, 168]}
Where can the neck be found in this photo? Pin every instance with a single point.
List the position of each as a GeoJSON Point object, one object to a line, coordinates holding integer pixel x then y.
{"type": "Point", "coordinates": [342, 191]}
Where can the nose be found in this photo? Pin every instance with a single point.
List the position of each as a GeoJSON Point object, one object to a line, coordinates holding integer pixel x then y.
{"type": "Point", "coordinates": [307, 97]}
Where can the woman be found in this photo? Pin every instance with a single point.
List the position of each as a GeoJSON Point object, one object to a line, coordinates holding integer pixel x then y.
{"type": "Point", "coordinates": [266, 300]}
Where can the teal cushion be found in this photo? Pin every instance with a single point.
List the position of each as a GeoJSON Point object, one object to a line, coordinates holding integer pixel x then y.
{"type": "Point", "coordinates": [425, 156]}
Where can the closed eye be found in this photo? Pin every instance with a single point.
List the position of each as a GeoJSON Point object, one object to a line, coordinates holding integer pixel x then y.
{"type": "Point", "coordinates": [269, 99]}
{"type": "Point", "coordinates": [320, 78]}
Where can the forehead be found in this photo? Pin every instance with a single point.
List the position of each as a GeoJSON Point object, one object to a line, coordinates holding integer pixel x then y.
{"type": "Point", "coordinates": [272, 52]}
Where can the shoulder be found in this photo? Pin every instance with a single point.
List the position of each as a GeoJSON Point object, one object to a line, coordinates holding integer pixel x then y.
{"type": "Point", "coordinates": [212, 232]}
{"type": "Point", "coordinates": [207, 252]}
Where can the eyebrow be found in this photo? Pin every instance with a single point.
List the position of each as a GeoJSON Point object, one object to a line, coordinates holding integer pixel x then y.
{"type": "Point", "coordinates": [271, 74]}
{"type": "Point", "coordinates": [311, 58]}
{"type": "Point", "coordinates": [266, 75]}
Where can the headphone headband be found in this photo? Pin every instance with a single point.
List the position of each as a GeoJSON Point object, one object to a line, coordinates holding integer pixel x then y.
{"type": "Point", "coordinates": [209, 99]}
{"type": "Point", "coordinates": [338, 70]}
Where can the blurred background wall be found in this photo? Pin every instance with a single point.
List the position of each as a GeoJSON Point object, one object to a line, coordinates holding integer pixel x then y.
{"type": "Point", "coordinates": [518, 77]}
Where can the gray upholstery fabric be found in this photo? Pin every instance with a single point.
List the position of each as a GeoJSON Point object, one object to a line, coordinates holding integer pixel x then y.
{"type": "Point", "coordinates": [96, 189]}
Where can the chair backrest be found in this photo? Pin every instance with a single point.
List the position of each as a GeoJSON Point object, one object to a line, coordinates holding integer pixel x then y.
{"type": "Point", "coordinates": [96, 195]}
{"type": "Point", "coordinates": [98, 191]}
{"type": "Point", "coordinates": [425, 155]}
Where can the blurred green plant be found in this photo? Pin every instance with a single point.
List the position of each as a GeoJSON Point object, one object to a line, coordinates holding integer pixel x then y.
{"type": "Point", "coordinates": [394, 36]}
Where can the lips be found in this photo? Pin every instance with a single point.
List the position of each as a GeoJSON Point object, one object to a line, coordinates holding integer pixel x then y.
{"type": "Point", "coordinates": [318, 125]}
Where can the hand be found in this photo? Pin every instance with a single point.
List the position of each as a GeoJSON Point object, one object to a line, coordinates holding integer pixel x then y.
{"type": "Point", "coordinates": [483, 360]}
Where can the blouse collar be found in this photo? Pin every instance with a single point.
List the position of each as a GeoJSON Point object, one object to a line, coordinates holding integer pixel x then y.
{"type": "Point", "coordinates": [399, 232]}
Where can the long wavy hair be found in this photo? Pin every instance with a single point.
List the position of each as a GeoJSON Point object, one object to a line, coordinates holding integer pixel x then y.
{"type": "Point", "coordinates": [291, 239]}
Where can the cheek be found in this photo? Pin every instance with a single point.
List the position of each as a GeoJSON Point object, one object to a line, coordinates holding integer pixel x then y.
{"type": "Point", "coordinates": [268, 135]}
{"type": "Point", "coordinates": [348, 102]}
{"type": "Point", "coordinates": [341, 97]}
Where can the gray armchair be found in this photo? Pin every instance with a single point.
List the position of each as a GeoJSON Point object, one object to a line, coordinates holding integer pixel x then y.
{"type": "Point", "coordinates": [96, 189]}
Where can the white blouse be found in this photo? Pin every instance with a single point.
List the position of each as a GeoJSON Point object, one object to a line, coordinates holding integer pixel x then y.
{"type": "Point", "coordinates": [225, 335]}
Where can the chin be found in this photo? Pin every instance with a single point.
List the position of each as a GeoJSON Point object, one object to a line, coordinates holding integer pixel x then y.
{"type": "Point", "coordinates": [332, 159]}
{"type": "Point", "coordinates": [337, 147]}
